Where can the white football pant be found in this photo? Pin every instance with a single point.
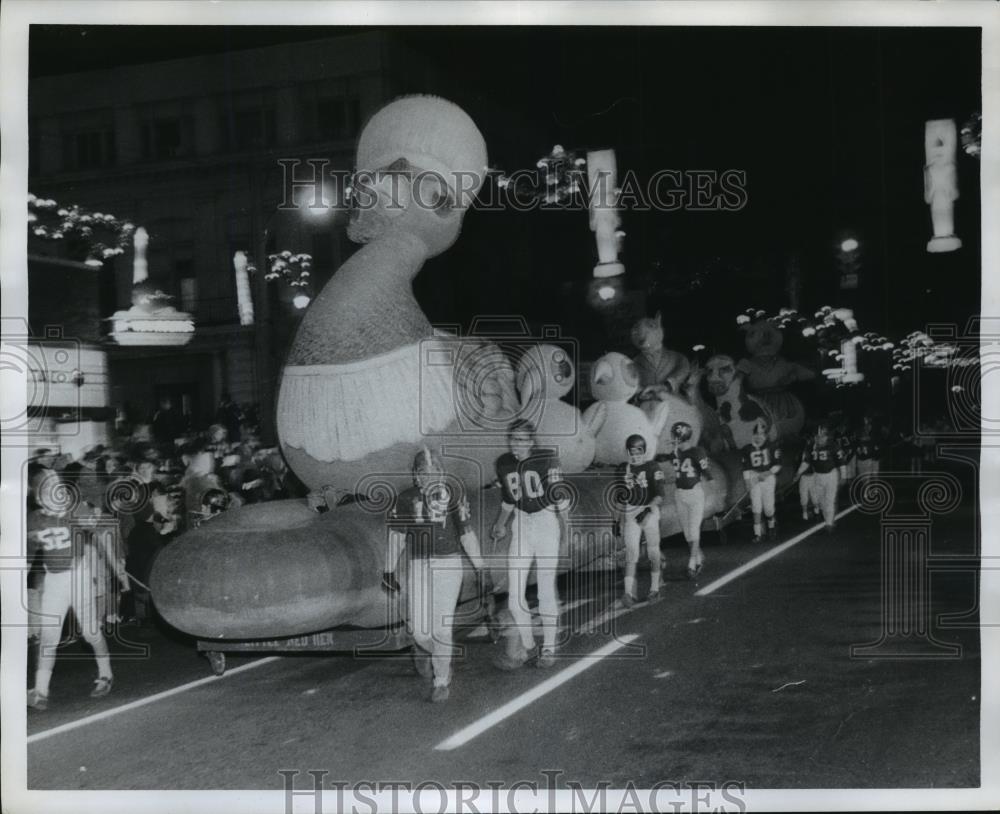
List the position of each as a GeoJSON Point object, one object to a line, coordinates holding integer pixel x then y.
{"type": "Point", "coordinates": [433, 589]}
{"type": "Point", "coordinates": [534, 540]}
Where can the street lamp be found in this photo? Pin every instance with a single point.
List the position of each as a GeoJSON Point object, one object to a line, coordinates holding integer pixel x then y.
{"type": "Point", "coordinates": [849, 262]}
{"type": "Point", "coordinates": [262, 318]}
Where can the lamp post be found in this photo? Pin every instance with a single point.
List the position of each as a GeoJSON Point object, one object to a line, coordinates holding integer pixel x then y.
{"type": "Point", "coordinates": [266, 369]}
{"type": "Point", "coordinates": [262, 336]}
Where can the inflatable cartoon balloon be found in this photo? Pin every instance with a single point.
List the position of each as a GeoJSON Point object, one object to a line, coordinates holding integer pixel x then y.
{"type": "Point", "coordinates": [613, 381]}
{"type": "Point", "coordinates": [366, 378]}
{"type": "Point", "coordinates": [737, 409]}
{"type": "Point", "coordinates": [545, 374]}
{"type": "Point", "coordinates": [767, 375]}
{"type": "Point", "coordinates": [656, 364]}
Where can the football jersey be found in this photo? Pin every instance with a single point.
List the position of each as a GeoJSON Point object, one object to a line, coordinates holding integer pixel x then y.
{"type": "Point", "coordinates": [761, 459]}
{"type": "Point", "coordinates": [846, 444]}
{"type": "Point", "coordinates": [527, 485]}
{"type": "Point", "coordinates": [643, 482]}
{"type": "Point", "coordinates": [688, 466]}
{"type": "Point", "coordinates": [868, 449]}
{"type": "Point", "coordinates": [823, 458]}
{"type": "Point", "coordinates": [59, 540]}
{"type": "Point", "coordinates": [433, 523]}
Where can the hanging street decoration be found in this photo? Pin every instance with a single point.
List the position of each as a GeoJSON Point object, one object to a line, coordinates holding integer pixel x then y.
{"type": "Point", "coordinates": [917, 348]}
{"type": "Point", "coordinates": [564, 177]}
{"type": "Point", "coordinates": [941, 183]}
{"type": "Point", "coordinates": [605, 216]}
{"type": "Point", "coordinates": [295, 268]}
{"type": "Point", "coordinates": [103, 235]}
{"type": "Point", "coordinates": [837, 337]}
{"type": "Point", "coordinates": [972, 135]}
{"type": "Point", "coordinates": [140, 267]}
{"type": "Point", "coordinates": [560, 176]}
{"type": "Point", "coordinates": [244, 302]}
{"type": "Point", "coordinates": [152, 320]}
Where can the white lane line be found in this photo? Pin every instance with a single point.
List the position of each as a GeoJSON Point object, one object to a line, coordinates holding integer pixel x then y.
{"type": "Point", "coordinates": [602, 619]}
{"type": "Point", "coordinates": [568, 606]}
{"type": "Point", "coordinates": [108, 713]}
{"type": "Point", "coordinates": [767, 555]}
{"type": "Point", "coordinates": [463, 736]}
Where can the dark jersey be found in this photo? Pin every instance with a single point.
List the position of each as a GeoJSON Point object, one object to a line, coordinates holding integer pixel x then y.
{"type": "Point", "coordinates": [823, 458]}
{"type": "Point", "coordinates": [643, 482]}
{"type": "Point", "coordinates": [59, 540]}
{"type": "Point", "coordinates": [760, 459]}
{"type": "Point", "coordinates": [528, 485]}
{"type": "Point", "coordinates": [868, 449]}
{"type": "Point", "coordinates": [688, 466]}
{"type": "Point", "coordinates": [433, 523]}
{"type": "Point", "coordinates": [846, 443]}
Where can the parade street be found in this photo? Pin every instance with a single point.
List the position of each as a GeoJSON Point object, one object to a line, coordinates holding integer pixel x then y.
{"type": "Point", "coordinates": [749, 680]}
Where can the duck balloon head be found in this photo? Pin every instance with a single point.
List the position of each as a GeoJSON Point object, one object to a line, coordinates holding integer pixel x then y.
{"type": "Point", "coordinates": [421, 160]}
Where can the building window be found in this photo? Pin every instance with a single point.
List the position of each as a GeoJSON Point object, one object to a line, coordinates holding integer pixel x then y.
{"type": "Point", "coordinates": [189, 294]}
{"type": "Point", "coordinates": [88, 150]}
{"type": "Point", "coordinates": [330, 110]}
{"type": "Point", "coordinates": [249, 128]}
{"type": "Point", "coordinates": [337, 118]}
{"type": "Point", "coordinates": [167, 138]}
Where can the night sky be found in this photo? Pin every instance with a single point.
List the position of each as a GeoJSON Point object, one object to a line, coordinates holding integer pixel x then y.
{"type": "Point", "coordinates": [826, 123]}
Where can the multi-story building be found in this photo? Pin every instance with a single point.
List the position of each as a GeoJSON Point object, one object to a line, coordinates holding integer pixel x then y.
{"type": "Point", "coordinates": [189, 149]}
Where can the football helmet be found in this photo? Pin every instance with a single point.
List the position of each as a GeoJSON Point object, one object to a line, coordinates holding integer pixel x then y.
{"type": "Point", "coordinates": [681, 431]}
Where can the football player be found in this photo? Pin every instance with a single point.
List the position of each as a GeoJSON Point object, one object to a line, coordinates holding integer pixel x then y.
{"type": "Point", "coordinates": [824, 456]}
{"type": "Point", "coordinates": [690, 467]}
{"type": "Point", "coordinates": [432, 520]}
{"type": "Point", "coordinates": [868, 448]}
{"type": "Point", "coordinates": [529, 479]}
{"type": "Point", "coordinates": [761, 465]}
{"type": "Point", "coordinates": [68, 548]}
{"type": "Point", "coordinates": [844, 438]}
{"type": "Point", "coordinates": [644, 482]}
{"type": "Point", "coordinates": [807, 489]}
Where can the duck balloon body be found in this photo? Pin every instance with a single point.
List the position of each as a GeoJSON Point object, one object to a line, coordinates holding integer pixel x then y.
{"type": "Point", "coordinates": [366, 377]}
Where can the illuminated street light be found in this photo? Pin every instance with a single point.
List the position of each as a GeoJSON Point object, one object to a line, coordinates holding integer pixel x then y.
{"type": "Point", "coordinates": [305, 201]}
{"type": "Point", "coordinates": [606, 292]}
{"type": "Point", "coordinates": [300, 301]}
{"type": "Point", "coordinates": [849, 245]}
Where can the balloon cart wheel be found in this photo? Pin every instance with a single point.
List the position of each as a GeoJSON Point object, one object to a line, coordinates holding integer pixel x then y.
{"type": "Point", "coordinates": [216, 661]}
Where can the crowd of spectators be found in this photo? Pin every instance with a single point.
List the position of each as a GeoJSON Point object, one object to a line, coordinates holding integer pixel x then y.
{"type": "Point", "coordinates": [160, 479]}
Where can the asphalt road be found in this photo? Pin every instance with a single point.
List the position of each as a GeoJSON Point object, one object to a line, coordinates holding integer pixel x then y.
{"type": "Point", "coordinates": [752, 682]}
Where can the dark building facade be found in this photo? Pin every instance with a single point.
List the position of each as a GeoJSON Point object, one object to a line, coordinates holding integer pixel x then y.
{"type": "Point", "coordinates": [190, 150]}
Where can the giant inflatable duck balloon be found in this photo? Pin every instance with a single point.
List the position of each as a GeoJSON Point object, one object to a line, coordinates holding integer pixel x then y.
{"type": "Point", "coordinates": [613, 381]}
{"type": "Point", "coordinates": [366, 384]}
{"type": "Point", "coordinates": [545, 373]}
{"type": "Point", "coordinates": [767, 376]}
{"type": "Point", "coordinates": [366, 378]}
